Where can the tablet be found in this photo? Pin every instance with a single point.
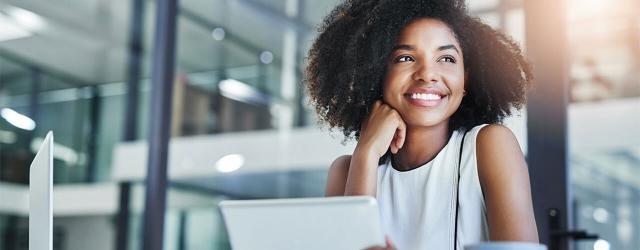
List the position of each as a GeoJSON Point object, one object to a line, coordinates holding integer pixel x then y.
{"type": "Point", "coordinates": [305, 223]}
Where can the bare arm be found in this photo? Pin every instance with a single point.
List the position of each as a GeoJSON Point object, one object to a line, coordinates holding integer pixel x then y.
{"type": "Point", "coordinates": [504, 178]}
{"type": "Point", "coordinates": [336, 182]}
{"type": "Point", "coordinates": [363, 174]}
{"type": "Point", "coordinates": [337, 177]}
{"type": "Point", "coordinates": [383, 130]}
{"type": "Point", "coordinates": [352, 175]}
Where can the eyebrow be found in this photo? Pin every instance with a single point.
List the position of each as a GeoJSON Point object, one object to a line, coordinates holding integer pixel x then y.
{"type": "Point", "coordinates": [448, 46]}
{"type": "Point", "coordinates": [404, 47]}
{"type": "Point", "coordinates": [413, 48]}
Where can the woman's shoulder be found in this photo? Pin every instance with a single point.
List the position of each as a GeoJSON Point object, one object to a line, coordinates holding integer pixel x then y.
{"type": "Point", "coordinates": [497, 151]}
{"type": "Point", "coordinates": [490, 139]}
{"type": "Point", "coordinates": [486, 132]}
{"type": "Point", "coordinates": [488, 135]}
{"type": "Point", "coordinates": [341, 163]}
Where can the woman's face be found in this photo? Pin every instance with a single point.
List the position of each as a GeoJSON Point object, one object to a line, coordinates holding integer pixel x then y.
{"type": "Point", "coordinates": [425, 73]}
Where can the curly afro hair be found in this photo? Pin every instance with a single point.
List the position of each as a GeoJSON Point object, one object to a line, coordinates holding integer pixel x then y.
{"type": "Point", "coordinates": [347, 62]}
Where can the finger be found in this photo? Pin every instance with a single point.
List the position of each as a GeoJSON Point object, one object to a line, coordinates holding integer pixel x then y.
{"type": "Point", "coordinates": [393, 148]}
{"type": "Point", "coordinates": [398, 139]}
{"type": "Point", "coordinates": [401, 134]}
{"type": "Point", "coordinates": [377, 103]}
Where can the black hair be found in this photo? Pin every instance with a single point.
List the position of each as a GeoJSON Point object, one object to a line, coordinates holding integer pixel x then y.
{"type": "Point", "coordinates": [347, 62]}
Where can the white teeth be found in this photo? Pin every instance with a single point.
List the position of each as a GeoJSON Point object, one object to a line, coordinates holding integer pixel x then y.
{"type": "Point", "coordinates": [424, 96]}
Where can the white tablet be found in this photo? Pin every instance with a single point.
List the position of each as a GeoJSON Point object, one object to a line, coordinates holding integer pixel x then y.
{"type": "Point", "coordinates": [307, 223]}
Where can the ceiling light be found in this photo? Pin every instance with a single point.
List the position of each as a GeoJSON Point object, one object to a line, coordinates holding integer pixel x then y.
{"type": "Point", "coordinates": [25, 18]}
{"type": "Point", "coordinates": [218, 34]}
{"type": "Point", "coordinates": [600, 215]}
{"type": "Point", "coordinates": [17, 119]}
{"type": "Point", "coordinates": [10, 31]}
{"type": "Point", "coordinates": [266, 57]}
{"type": "Point", "coordinates": [601, 245]}
{"type": "Point", "coordinates": [230, 163]}
{"type": "Point", "coordinates": [242, 92]}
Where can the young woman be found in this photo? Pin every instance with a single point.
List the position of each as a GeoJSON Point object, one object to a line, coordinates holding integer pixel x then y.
{"type": "Point", "coordinates": [423, 88]}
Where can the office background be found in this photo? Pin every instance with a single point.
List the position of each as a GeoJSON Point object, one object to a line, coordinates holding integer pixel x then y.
{"type": "Point", "coordinates": [241, 127]}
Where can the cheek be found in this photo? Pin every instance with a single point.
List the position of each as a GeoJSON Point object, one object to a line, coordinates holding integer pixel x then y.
{"type": "Point", "coordinates": [396, 76]}
{"type": "Point", "coordinates": [390, 76]}
{"type": "Point", "coordinates": [456, 79]}
{"type": "Point", "coordinates": [459, 85]}
{"type": "Point", "coordinates": [457, 89]}
{"type": "Point", "coordinates": [391, 85]}
{"type": "Point", "coordinates": [388, 91]}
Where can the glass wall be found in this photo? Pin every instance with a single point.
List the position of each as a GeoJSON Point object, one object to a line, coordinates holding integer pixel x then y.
{"type": "Point", "coordinates": [56, 63]}
{"type": "Point", "coordinates": [63, 68]}
{"type": "Point", "coordinates": [192, 220]}
{"type": "Point", "coordinates": [604, 39]}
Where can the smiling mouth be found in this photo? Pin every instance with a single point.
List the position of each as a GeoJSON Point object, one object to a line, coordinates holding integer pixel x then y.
{"type": "Point", "coordinates": [424, 96]}
{"type": "Point", "coordinates": [425, 99]}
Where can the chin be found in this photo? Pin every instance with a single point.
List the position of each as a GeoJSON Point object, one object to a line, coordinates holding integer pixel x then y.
{"type": "Point", "coordinates": [417, 121]}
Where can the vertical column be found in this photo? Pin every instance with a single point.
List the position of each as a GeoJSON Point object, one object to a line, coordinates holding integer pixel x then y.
{"type": "Point", "coordinates": [301, 119]}
{"type": "Point", "coordinates": [546, 38]}
{"type": "Point", "coordinates": [122, 234]}
{"type": "Point", "coordinates": [36, 83]}
{"type": "Point", "coordinates": [288, 74]}
{"type": "Point", "coordinates": [94, 126]}
{"type": "Point", "coordinates": [133, 70]}
{"type": "Point", "coordinates": [182, 230]}
{"type": "Point", "coordinates": [287, 89]}
{"type": "Point", "coordinates": [131, 113]}
{"type": "Point", "coordinates": [160, 121]}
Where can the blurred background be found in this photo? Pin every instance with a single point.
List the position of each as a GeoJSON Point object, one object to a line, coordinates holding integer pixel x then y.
{"type": "Point", "coordinates": [241, 126]}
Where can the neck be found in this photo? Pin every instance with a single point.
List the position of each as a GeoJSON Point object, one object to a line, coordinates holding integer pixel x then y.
{"type": "Point", "coordinates": [421, 145]}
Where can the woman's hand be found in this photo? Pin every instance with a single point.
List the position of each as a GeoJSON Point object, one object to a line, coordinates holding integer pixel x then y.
{"type": "Point", "coordinates": [381, 130]}
{"type": "Point", "coordinates": [389, 245]}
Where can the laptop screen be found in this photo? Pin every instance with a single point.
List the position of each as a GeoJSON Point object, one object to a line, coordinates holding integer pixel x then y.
{"type": "Point", "coordinates": [40, 202]}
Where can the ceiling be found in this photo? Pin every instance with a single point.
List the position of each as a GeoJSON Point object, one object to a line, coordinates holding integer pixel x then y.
{"type": "Point", "coordinates": [85, 42]}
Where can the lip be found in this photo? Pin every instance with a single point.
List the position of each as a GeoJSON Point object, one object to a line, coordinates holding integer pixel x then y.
{"type": "Point", "coordinates": [424, 91]}
{"type": "Point", "coordinates": [425, 103]}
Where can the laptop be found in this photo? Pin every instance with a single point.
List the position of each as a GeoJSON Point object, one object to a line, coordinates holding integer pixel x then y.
{"type": "Point", "coordinates": [303, 223]}
{"type": "Point", "coordinates": [40, 202]}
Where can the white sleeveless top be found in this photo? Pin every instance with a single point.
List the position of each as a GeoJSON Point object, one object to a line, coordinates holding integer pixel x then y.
{"type": "Point", "coordinates": [417, 207]}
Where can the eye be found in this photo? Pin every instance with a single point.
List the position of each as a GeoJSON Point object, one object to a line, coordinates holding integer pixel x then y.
{"type": "Point", "coordinates": [404, 58]}
{"type": "Point", "coordinates": [448, 59]}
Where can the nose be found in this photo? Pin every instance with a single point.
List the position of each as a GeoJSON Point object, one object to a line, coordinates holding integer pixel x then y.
{"type": "Point", "coordinates": [425, 73]}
